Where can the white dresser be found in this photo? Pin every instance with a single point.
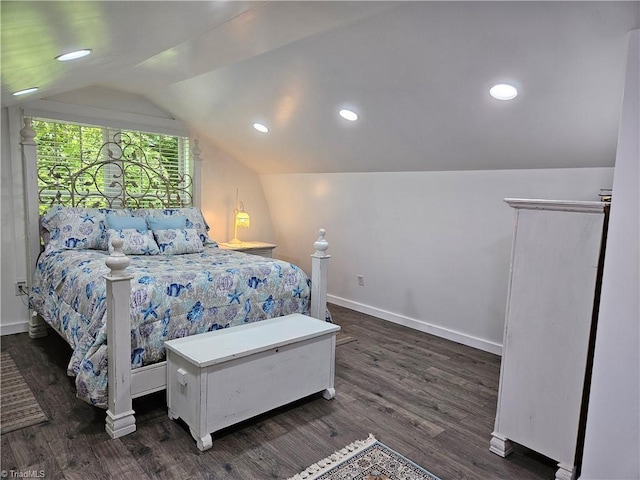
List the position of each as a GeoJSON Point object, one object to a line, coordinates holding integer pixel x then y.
{"type": "Point", "coordinates": [552, 297]}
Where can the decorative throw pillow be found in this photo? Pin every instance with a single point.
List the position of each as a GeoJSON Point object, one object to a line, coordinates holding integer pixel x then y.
{"type": "Point", "coordinates": [72, 227]}
{"type": "Point", "coordinates": [193, 215]}
{"type": "Point", "coordinates": [167, 223]}
{"type": "Point", "coordinates": [134, 242]}
{"type": "Point", "coordinates": [178, 241]}
{"type": "Point", "coordinates": [110, 212]}
{"type": "Point", "coordinates": [117, 222]}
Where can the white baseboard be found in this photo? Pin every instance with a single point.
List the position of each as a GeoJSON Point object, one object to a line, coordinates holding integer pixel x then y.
{"type": "Point", "coordinates": [485, 345]}
{"type": "Point", "coordinates": [420, 325]}
{"type": "Point", "coordinates": [13, 328]}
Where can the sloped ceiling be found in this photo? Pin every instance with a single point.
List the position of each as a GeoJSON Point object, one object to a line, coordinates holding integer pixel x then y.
{"type": "Point", "coordinates": [418, 73]}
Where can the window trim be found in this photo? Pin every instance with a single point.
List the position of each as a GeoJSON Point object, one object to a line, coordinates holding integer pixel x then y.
{"type": "Point", "coordinates": [73, 113]}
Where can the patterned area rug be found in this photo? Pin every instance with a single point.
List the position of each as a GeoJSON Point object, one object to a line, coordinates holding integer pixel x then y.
{"type": "Point", "coordinates": [365, 460]}
{"type": "Point", "coordinates": [19, 407]}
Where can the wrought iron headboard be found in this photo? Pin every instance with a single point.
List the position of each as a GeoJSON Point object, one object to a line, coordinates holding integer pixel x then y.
{"type": "Point", "coordinates": [121, 176]}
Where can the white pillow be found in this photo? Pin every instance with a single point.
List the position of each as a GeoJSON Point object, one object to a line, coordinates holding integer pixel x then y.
{"type": "Point", "coordinates": [178, 241]}
{"type": "Point", "coordinates": [135, 242]}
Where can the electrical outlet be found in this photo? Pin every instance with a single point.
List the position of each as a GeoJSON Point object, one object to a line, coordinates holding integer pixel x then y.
{"type": "Point", "coordinates": [361, 280]}
{"type": "Point", "coordinates": [21, 288]}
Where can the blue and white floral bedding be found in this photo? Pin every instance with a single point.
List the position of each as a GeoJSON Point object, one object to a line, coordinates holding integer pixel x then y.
{"type": "Point", "coordinates": [172, 296]}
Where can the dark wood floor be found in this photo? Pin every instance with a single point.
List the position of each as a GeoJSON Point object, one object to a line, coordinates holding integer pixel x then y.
{"type": "Point", "coordinates": [429, 399]}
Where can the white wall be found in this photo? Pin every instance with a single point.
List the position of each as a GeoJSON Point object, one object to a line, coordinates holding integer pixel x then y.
{"type": "Point", "coordinates": [433, 247]}
{"type": "Point", "coordinates": [13, 309]}
{"type": "Point", "coordinates": [612, 441]}
{"type": "Point", "coordinates": [220, 177]}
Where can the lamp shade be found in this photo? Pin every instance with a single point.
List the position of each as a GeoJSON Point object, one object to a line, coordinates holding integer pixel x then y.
{"type": "Point", "coordinates": [242, 219]}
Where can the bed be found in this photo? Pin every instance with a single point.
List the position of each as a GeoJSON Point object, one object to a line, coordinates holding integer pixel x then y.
{"type": "Point", "coordinates": [115, 290]}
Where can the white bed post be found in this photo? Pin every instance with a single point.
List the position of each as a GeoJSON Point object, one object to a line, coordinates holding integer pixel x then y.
{"type": "Point", "coordinates": [197, 171]}
{"type": "Point", "coordinates": [319, 265]}
{"type": "Point", "coordinates": [120, 415]}
{"type": "Point", "coordinates": [37, 326]}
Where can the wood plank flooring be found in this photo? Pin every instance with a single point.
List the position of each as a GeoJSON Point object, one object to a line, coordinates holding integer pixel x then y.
{"type": "Point", "coordinates": [430, 399]}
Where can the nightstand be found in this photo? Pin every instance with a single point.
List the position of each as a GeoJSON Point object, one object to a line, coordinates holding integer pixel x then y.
{"type": "Point", "coordinates": [254, 248]}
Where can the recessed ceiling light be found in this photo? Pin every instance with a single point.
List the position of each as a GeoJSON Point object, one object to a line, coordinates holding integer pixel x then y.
{"type": "Point", "coordinates": [74, 55]}
{"type": "Point", "coordinates": [25, 91]}
{"type": "Point", "coordinates": [348, 115]}
{"type": "Point", "coordinates": [260, 127]}
{"type": "Point", "coordinates": [503, 91]}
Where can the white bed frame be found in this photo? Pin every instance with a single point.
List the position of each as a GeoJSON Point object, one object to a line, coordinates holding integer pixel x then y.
{"type": "Point", "coordinates": [126, 384]}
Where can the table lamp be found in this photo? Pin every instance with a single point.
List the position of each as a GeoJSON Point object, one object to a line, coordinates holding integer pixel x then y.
{"type": "Point", "coordinates": [241, 219]}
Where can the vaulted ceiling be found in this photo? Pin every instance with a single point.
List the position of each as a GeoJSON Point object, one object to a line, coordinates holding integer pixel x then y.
{"type": "Point", "coordinates": [417, 73]}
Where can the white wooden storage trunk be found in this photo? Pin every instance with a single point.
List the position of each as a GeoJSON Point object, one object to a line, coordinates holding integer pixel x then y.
{"type": "Point", "coordinates": [217, 379]}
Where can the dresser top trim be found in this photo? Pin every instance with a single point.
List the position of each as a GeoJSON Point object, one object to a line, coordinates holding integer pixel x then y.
{"type": "Point", "coordinates": [561, 205]}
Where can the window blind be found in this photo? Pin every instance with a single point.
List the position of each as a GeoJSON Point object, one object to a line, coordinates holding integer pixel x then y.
{"type": "Point", "coordinates": [64, 149]}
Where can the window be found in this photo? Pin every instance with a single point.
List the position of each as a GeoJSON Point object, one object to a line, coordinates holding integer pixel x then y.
{"type": "Point", "coordinates": [94, 166]}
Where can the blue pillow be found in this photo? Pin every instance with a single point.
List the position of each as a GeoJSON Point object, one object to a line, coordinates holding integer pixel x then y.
{"type": "Point", "coordinates": [126, 223]}
{"type": "Point", "coordinates": [167, 223]}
